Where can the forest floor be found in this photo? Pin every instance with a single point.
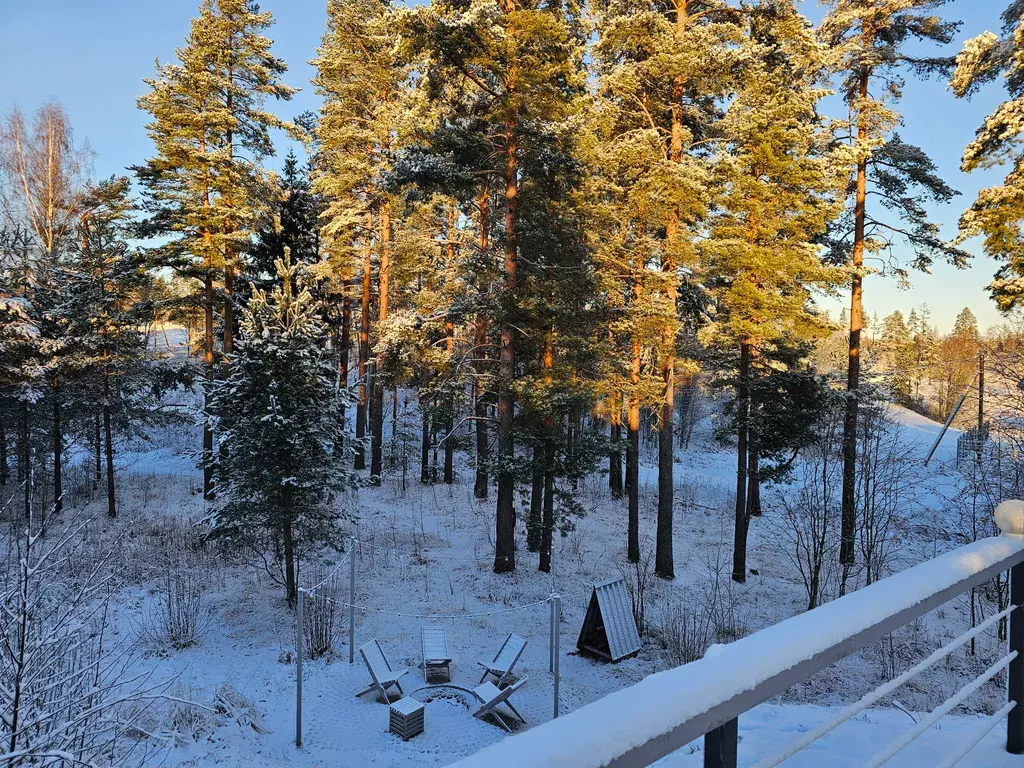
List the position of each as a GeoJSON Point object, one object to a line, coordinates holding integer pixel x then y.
{"type": "Point", "coordinates": [427, 552]}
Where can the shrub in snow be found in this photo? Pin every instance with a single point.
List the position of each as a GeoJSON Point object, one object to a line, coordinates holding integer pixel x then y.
{"type": "Point", "coordinates": [65, 695]}
{"type": "Point", "coordinates": [180, 615]}
{"type": "Point", "coordinates": [321, 612]}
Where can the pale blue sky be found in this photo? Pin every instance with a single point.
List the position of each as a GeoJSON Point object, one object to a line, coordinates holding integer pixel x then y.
{"type": "Point", "coordinates": [91, 55]}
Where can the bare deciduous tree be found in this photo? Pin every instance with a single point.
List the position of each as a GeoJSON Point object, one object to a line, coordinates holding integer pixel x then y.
{"type": "Point", "coordinates": [66, 695]}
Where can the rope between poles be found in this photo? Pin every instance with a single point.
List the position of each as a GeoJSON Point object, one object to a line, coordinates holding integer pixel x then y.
{"type": "Point", "coordinates": [452, 617]}
{"type": "Point", "coordinates": [310, 590]}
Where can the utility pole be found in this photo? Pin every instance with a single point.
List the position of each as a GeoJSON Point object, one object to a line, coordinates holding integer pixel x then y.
{"type": "Point", "coordinates": [981, 405]}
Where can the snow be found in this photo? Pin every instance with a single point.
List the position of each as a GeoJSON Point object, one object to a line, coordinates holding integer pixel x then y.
{"type": "Point", "coordinates": [596, 734]}
{"type": "Point", "coordinates": [428, 551]}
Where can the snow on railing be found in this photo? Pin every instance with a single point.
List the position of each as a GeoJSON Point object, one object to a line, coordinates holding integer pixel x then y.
{"type": "Point", "coordinates": [664, 712]}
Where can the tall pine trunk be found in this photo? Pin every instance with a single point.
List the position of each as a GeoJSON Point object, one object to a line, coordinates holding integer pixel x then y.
{"type": "Point", "coordinates": [534, 520]}
{"type": "Point", "coordinates": [849, 510]}
{"type": "Point", "coordinates": [615, 460]}
{"type": "Point", "coordinates": [505, 523]}
{"type": "Point", "coordinates": [343, 348]}
{"type": "Point", "coordinates": [377, 405]}
{"type": "Point", "coordinates": [424, 444]}
{"type": "Point", "coordinates": [97, 447]}
{"type": "Point", "coordinates": [480, 360]}
{"type": "Point", "coordinates": [753, 479]}
{"type": "Point", "coordinates": [449, 422]}
{"type": "Point", "coordinates": [548, 515]}
{"type": "Point", "coordinates": [739, 551]}
{"type": "Point", "coordinates": [108, 439]}
{"type": "Point", "coordinates": [364, 348]}
{"type": "Point", "coordinates": [480, 408]}
{"type": "Point", "coordinates": [664, 563]}
{"type": "Point", "coordinates": [633, 454]}
{"type": "Point", "coordinates": [208, 372]}
{"type": "Point", "coordinates": [229, 315]}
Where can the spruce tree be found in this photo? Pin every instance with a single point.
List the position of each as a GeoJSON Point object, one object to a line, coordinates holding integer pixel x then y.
{"type": "Point", "coordinates": [872, 42]}
{"type": "Point", "coordinates": [277, 419]}
{"type": "Point", "coordinates": [211, 130]}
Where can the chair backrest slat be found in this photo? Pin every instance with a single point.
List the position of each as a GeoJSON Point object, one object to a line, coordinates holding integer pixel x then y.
{"type": "Point", "coordinates": [375, 657]}
{"type": "Point", "coordinates": [509, 651]}
{"type": "Point", "coordinates": [435, 642]}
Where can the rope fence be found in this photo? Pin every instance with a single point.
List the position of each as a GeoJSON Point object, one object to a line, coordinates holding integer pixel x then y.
{"type": "Point", "coordinates": [449, 617]}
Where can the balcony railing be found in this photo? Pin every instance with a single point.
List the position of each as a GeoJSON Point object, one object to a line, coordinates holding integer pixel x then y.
{"type": "Point", "coordinates": [666, 711]}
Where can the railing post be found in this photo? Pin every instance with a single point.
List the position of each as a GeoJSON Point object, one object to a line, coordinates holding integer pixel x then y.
{"type": "Point", "coordinates": [720, 745]}
{"type": "Point", "coordinates": [352, 602]}
{"type": "Point", "coordinates": [1015, 674]}
{"type": "Point", "coordinates": [298, 670]}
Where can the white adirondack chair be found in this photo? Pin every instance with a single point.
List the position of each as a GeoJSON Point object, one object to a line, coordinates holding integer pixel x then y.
{"type": "Point", "coordinates": [380, 670]}
{"type": "Point", "coordinates": [504, 660]}
{"type": "Point", "coordinates": [491, 696]}
{"type": "Point", "coordinates": [434, 647]}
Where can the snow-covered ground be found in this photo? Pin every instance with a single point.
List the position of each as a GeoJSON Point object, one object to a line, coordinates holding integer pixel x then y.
{"type": "Point", "coordinates": [427, 551]}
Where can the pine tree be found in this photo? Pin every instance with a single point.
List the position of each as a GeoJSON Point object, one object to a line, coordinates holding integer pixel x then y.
{"type": "Point", "coordinates": [777, 199]}
{"type": "Point", "coordinates": [105, 303]}
{"type": "Point", "coordinates": [661, 68]}
{"type": "Point", "coordinates": [870, 41]}
{"type": "Point", "coordinates": [211, 131]}
{"type": "Point", "coordinates": [277, 419]}
{"type": "Point", "coordinates": [361, 78]}
{"type": "Point", "coordinates": [998, 211]}
{"type": "Point", "coordinates": [515, 68]}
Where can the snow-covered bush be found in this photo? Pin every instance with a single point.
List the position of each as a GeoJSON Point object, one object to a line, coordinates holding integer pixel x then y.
{"type": "Point", "coordinates": [64, 686]}
{"type": "Point", "coordinates": [321, 612]}
{"type": "Point", "coordinates": [180, 614]}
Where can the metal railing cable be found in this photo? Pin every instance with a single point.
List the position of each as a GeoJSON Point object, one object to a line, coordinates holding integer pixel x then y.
{"type": "Point", "coordinates": [878, 693]}
{"type": "Point", "coordinates": [936, 714]}
{"type": "Point", "coordinates": [977, 735]}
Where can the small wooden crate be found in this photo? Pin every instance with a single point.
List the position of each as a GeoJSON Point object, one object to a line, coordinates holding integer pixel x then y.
{"type": "Point", "coordinates": [407, 718]}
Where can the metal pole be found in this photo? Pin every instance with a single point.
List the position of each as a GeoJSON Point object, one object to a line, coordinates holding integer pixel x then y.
{"type": "Point", "coordinates": [551, 632]}
{"type": "Point", "coordinates": [556, 617]}
{"type": "Point", "coordinates": [1015, 674]}
{"type": "Point", "coordinates": [952, 415]}
{"type": "Point", "coordinates": [981, 404]}
{"type": "Point", "coordinates": [352, 602]}
{"type": "Point", "coordinates": [298, 673]}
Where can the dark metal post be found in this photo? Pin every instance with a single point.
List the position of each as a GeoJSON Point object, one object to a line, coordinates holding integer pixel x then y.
{"type": "Point", "coordinates": [556, 618]}
{"type": "Point", "coordinates": [720, 745]}
{"type": "Point", "coordinates": [1015, 675]}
